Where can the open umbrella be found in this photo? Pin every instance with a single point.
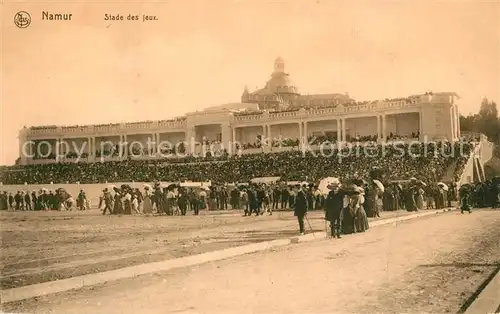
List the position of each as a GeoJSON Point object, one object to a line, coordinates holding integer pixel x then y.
{"type": "Point", "coordinates": [324, 183]}
{"type": "Point", "coordinates": [351, 189]}
{"type": "Point", "coordinates": [443, 186]}
{"type": "Point", "coordinates": [126, 187]}
{"type": "Point", "coordinates": [379, 185]}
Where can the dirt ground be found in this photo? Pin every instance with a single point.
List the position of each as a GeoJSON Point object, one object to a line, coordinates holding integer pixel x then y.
{"type": "Point", "coordinates": [432, 265]}
{"type": "Point", "coordinates": [46, 246]}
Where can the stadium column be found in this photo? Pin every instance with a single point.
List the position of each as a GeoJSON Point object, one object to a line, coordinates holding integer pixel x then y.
{"type": "Point", "coordinates": [58, 149]}
{"type": "Point", "coordinates": [339, 134]}
{"type": "Point", "coordinates": [89, 146]}
{"type": "Point", "coordinates": [190, 140]}
{"type": "Point", "coordinates": [305, 132]}
{"type": "Point", "coordinates": [379, 127]}
{"type": "Point", "coordinates": [458, 122]}
{"type": "Point", "coordinates": [384, 128]}
{"type": "Point", "coordinates": [420, 125]}
{"type": "Point", "coordinates": [226, 135]}
{"type": "Point", "coordinates": [158, 142]}
{"type": "Point", "coordinates": [301, 132]}
{"type": "Point", "coordinates": [455, 119]}
{"type": "Point", "coordinates": [452, 125]}
{"type": "Point", "coordinates": [234, 140]}
{"type": "Point", "coordinates": [344, 131]}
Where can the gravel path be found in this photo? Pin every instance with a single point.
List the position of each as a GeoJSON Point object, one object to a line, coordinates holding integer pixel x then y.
{"type": "Point", "coordinates": [431, 264]}
{"type": "Point", "coordinates": [43, 246]}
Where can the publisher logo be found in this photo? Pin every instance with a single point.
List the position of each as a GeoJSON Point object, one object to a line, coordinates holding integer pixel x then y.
{"type": "Point", "coordinates": [22, 19]}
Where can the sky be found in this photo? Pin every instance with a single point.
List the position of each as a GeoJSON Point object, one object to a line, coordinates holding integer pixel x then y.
{"type": "Point", "coordinates": [202, 53]}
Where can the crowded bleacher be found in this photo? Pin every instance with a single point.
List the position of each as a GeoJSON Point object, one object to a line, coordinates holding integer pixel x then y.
{"type": "Point", "coordinates": [428, 162]}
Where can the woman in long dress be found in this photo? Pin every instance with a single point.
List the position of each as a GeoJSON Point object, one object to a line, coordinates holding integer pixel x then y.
{"type": "Point", "coordinates": [362, 218]}
{"type": "Point", "coordinates": [117, 206]}
{"type": "Point", "coordinates": [347, 216]}
{"type": "Point", "coordinates": [127, 203]}
{"type": "Point", "coordinates": [147, 207]}
{"type": "Point", "coordinates": [419, 198]}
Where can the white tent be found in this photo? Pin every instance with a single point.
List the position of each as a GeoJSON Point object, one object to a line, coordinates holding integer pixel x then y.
{"type": "Point", "coordinates": [266, 180]}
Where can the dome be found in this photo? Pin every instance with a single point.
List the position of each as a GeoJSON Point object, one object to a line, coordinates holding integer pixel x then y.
{"type": "Point", "coordinates": [280, 81]}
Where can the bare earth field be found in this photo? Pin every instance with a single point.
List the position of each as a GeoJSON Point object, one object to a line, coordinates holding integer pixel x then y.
{"type": "Point", "coordinates": [45, 246]}
{"type": "Point", "coordinates": [432, 265]}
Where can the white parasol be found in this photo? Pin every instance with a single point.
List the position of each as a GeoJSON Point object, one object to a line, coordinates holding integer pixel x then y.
{"type": "Point", "coordinates": [443, 186]}
{"type": "Point", "coordinates": [324, 183]}
{"type": "Point", "coordinates": [379, 185]}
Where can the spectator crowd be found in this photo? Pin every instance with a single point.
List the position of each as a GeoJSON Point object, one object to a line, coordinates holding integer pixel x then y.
{"type": "Point", "coordinates": [426, 161]}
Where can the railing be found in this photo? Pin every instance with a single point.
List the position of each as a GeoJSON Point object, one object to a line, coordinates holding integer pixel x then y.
{"type": "Point", "coordinates": [244, 117]}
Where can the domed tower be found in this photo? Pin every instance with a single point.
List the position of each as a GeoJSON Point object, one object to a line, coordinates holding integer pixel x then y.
{"type": "Point", "coordinates": [279, 65]}
{"type": "Point", "coordinates": [280, 83]}
{"type": "Point", "coordinates": [246, 95]}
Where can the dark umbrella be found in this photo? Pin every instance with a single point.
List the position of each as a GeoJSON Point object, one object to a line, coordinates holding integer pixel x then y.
{"type": "Point", "coordinates": [126, 187]}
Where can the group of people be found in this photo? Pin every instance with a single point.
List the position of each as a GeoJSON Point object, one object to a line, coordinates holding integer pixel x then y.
{"type": "Point", "coordinates": [43, 199]}
{"type": "Point", "coordinates": [163, 200]}
{"type": "Point", "coordinates": [482, 194]}
{"type": "Point", "coordinates": [402, 161]}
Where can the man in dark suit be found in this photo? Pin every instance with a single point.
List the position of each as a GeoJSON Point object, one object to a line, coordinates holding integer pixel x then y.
{"type": "Point", "coordinates": [27, 200]}
{"type": "Point", "coordinates": [300, 207]}
{"type": "Point", "coordinates": [333, 205]}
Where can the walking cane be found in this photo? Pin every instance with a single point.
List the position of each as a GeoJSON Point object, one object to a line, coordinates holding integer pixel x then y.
{"type": "Point", "coordinates": [310, 227]}
{"type": "Point", "coordinates": [326, 230]}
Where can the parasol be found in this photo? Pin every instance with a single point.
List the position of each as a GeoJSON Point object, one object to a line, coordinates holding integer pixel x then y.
{"type": "Point", "coordinates": [358, 181]}
{"type": "Point", "coordinates": [443, 186]}
{"type": "Point", "coordinates": [126, 187]}
{"type": "Point", "coordinates": [379, 185]}
{"type": "Point", "coordinates": [352, 189]}
{"type": "Point", "coordinates": [324, 183]}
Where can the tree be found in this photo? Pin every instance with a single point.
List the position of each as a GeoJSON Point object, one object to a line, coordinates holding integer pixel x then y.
{"type": "Point", "coordinates": [486, 121]}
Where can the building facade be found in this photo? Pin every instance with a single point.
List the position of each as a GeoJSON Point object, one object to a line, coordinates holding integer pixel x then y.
{"type": "Point", "coordinates": [274, 118]}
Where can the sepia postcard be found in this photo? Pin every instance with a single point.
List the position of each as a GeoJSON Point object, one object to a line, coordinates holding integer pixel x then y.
{"type": "Point", "coordinates": [250, 156]}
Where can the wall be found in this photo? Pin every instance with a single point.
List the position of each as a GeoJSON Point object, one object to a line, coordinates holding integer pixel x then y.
{"type": "Point", "coordinates": [468, 173]}
{"type": "Point", "coordinates": [361, 126]}
{"type": "Point", "coordinates": [208, 131]}
{"type": "Point", "coordinates": [248, 134]}
{"type": "Point", "coordinates": [289, 130]}
{"type": "Point", "coordinates": [321, 126]}
{"type": "Point", "coordinates": [100, 142]}
{"type": "Point", "coordinates": [402, 124]}
{"type": "Point", "coordinates": [173, 138]}
{"type": "Point", "coordinates": [487, 148]}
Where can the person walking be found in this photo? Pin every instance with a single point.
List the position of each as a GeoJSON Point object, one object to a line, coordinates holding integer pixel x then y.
{"type": "Point", "coordinates": [334, 204]}
{"type": "Point", "coordinates": [300, 207]}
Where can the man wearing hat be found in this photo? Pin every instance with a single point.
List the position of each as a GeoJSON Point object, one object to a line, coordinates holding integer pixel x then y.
{"type": "Point", "coordinates": [300, 207]}
{"type": "Point", "coordinates": [333, 208]}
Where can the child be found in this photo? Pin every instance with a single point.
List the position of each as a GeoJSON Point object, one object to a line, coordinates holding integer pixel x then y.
{"type": "Point", "coordinates": [135, 204]}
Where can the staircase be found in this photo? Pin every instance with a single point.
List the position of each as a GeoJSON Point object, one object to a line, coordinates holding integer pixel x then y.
{"type": "Point", "coordinates": [448, 175]}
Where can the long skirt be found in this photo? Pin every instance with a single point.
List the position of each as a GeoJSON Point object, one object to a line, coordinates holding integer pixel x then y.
{"type": "Point", "coordinates": [362, 221]}
{"type": "Point", "coordinates": [347, 222]}
{"type": "Point", "coordinates": [147, 207]}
